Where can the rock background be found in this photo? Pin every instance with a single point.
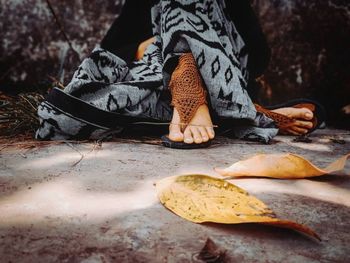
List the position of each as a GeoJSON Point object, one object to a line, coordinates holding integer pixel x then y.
{"type": "Point", "coordinates": [310, 42]}
{"type": "Point", "coordinates": [32, 46]}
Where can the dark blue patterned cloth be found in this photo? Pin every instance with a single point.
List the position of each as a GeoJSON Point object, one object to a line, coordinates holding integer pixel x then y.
{"type": "Point", "coordinates": [107, 93]}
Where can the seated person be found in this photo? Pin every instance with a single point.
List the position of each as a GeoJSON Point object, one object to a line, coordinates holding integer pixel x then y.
{"type": "Point", "coordinates": [186, 63]}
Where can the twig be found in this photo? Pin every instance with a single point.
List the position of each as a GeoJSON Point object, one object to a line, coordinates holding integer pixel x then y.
{"type": "Point", "coordinates": [82, 156]}
{"type": "Point", "coordinates": [23, 155]}
{"type": "Point", "coordinates": [56, 82]}
{"type": "Point", "coordinates": [60, 26]}
{"type": "Point", "coordinates": [75, 149]}
{"type": "Point", "coordinates": [24, 98]}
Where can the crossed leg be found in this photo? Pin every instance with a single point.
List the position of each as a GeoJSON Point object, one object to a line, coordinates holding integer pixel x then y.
{"type": "Point", "coordinates": [302, 117]}
{"type": "Point", "coordinates": [200, 128]}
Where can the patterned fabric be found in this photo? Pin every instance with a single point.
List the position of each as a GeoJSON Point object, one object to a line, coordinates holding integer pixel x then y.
{"type": "Point", "coordinates": [106, 93]}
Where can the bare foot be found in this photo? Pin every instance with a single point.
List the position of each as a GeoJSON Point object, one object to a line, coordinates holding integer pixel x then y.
{"type": "Point", "coordinates": [302, 123]}
{"type": "Point", "coordinates": [198, 131]}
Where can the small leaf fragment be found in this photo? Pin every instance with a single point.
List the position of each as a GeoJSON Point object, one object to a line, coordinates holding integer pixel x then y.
{"type": "Point", "coordinates": [211, 252]}
{"type": "Point", "coordinates": [282, 166]}
{"type": "Point", "coordinates": [201, 198]}
{"type": "Point", "coordinates": [302, 138]}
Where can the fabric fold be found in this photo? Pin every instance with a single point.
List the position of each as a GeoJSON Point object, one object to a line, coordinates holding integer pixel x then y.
{"type": "Point", "coordinates": [140, 89]}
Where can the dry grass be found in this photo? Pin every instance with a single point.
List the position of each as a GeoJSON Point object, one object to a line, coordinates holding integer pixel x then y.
{"type": "Point", "coordinates": [24, 142]}
{"type": "Point", "coordinates": [18, 114]}
{"type": "Point", "coordinates": [19, 121]}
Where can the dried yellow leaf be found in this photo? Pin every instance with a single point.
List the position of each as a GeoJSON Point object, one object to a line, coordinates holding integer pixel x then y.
{"type": "Point", "coordinates": [283, 166]}
{"type": "Point", "coordinates": [201, 198]}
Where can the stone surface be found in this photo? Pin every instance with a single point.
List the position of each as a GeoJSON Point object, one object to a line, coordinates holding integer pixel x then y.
{"type": "Point", "coordinates": [309, 40]}
{"type": "Point", "coordinates": [310, 54]}
{"type": "Point", "coordinates": [104, 208]}
{"type": "Point", "coordinates": [33, 47]}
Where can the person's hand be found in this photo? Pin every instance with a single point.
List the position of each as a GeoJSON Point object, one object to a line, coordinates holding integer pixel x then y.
{"type": "Point", "coordinates": [143, 46]}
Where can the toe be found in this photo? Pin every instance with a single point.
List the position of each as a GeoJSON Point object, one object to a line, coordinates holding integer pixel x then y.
{"type": "Point", "coordinates": [308, 114]}
{"type": "Point", "coordinates": [175, 133]}
{"type": "Point", "coordinates": [204, 134]}
{"type": "Point", "coordinates": [303, 124]}
{"type": "Point", "coordinates": [299, 130]}
{"type": "Point", "coordinates": [303, 113]}
{"type": "Point", "coordinates": [291, 132]}
{"type": "Point", "coordinates": [196, 135]}
{"type": "Point", "coordinates": [210, 132]}
{"type": "Point", "coordinates": [188, 136]}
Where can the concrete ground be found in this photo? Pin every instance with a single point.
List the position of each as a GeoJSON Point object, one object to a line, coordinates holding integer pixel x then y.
{"type": "Point", "coordinates": [90, 203]}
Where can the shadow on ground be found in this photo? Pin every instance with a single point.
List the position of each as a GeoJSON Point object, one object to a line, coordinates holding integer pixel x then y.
{"type": "Point", "coordinates": [82, 203]}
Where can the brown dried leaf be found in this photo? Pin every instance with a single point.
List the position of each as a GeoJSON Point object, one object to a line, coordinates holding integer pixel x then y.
{"type": "Point", "coordinates": [282, 166]}
{"type": "Point", "coordinates": [201, 198]}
